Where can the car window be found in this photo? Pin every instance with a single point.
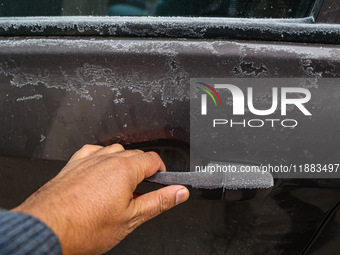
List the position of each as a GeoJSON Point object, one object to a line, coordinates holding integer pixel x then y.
{"type": "Point", "coordinates": [188, 8]}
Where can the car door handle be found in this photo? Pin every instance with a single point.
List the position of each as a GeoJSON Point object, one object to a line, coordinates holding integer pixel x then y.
{"type": "Point", "coordinates": [218, 185]}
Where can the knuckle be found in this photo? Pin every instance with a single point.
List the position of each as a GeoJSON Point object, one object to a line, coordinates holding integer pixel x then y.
{"type": "Point", "coordinates": [118, 146]}
{"type": "Point", "coordinates": [154, 155]}
{"type": "Point", "coordinates": [87, 147]}
{"type": "Point", "coordinates": [164, 203]}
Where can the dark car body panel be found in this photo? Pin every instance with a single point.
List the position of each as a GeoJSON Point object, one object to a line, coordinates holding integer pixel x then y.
{"type": "Point", "coordinates": [78, 89]}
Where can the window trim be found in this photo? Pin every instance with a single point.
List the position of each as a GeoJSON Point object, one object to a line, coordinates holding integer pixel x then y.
{"type": "Point", "coordinates": [283, 30]}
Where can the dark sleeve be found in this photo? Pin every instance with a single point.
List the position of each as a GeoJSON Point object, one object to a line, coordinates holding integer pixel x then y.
{"type": "Point", "coordinates": [23, 234]}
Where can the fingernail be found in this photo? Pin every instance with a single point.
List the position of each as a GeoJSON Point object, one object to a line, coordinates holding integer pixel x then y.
{"type": "Point", "coordinates": [181, 196]}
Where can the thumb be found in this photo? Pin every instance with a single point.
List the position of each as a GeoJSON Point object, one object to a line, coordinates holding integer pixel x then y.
{"type": "Point", "coordinates": [154, 203]}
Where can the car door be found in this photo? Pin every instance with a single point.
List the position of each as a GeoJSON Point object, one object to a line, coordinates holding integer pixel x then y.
{"type": "Point", "coordinates": [69, 80]}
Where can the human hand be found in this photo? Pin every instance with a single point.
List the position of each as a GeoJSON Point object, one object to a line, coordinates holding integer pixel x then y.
{"type": "Point", "coordinates": [91, 205]}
